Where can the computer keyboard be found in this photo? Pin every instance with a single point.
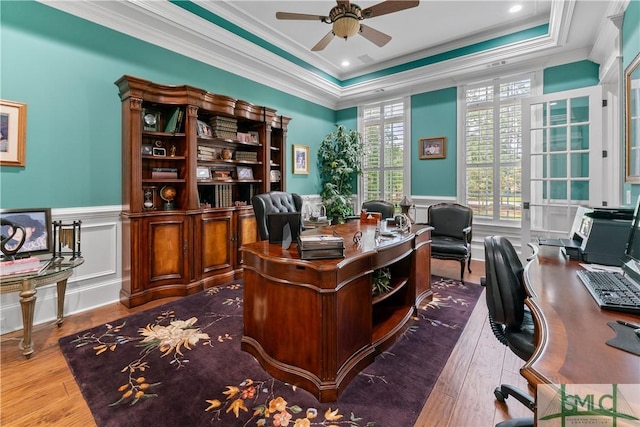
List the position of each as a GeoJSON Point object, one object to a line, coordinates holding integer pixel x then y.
{"type": "Point", "coordinates": [612, 291]}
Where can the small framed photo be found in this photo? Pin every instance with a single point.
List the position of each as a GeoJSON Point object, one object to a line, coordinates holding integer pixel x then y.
{"type": "Point", "coordinates": [147, 149]}
{"type": "Point", "coordinates": [433, 148]}
{"type": "Point", "coordinates": [203, 173]}
{"type": "Point", "coordinates": [26, 231]}
{"type": "Point", "coordinates": [159, 151]}
{"type": "Point", "coordinates": [300, 159]}
{"type": "Point", "coordinates": [204, 129]}
{"type": "Point", "coordinates": [13, 131]}
{"type": "Point", "coordinates": [244, 172]}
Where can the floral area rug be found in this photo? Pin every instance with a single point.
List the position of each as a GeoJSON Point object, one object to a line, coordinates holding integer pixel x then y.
{"type": "Point", "coordinates": [180, 364]}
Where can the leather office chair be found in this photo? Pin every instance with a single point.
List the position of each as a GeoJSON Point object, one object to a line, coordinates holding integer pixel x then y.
{"type": "Point", "coordinates": [273, 202]}
{"type": "Point", "coordinates": [510, 319]}
{"type": "Point", "coordinates": [387, 209]}
{"type": "Point", "coordinates": [451, 235]}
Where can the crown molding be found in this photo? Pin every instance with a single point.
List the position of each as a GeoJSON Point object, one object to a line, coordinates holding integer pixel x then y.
{"type": "Point", "coordinates": [189, 35]}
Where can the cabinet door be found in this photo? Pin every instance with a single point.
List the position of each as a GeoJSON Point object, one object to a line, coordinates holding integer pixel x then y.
{"type": "Point", "coordinates": [214, 233]}
{"type": "Point", "coordinates": [167, 239]}
{"type": "Point", "coordinates": [247, 233]}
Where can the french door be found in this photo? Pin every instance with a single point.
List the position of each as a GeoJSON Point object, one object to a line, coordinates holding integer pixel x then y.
{"type": "Point", "coordinates": [562, 162]}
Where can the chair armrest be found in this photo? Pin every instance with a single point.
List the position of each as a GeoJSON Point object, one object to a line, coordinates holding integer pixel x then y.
{"type": "Point", "coordinates": [467, 234]}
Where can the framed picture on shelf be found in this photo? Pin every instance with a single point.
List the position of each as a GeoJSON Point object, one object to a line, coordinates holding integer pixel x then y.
{"type": "Point", "coordinates": [244, 172]}
{"type": "Point", "coordinates": [13, 130]}
{"type": "Point", "coordinates": [204, 129]}
{"type": "Point", "coordinates": [433, 148]}
{"type": "Point", "coordinates": [26, 231]}
{"type": "Point", "coordinates": [147, 149]}
{"type": "Point", "coordinates": [203, 173]}
{"type": "Point", "coordinates": [300, 159]}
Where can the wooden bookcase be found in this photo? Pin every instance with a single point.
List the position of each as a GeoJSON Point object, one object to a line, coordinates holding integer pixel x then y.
{"type": "Point", "coordinates": [191, 161]}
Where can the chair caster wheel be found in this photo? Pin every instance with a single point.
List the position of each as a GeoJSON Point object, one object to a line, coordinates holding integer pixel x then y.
{"type": "Point", "coordinates": [500, 396]}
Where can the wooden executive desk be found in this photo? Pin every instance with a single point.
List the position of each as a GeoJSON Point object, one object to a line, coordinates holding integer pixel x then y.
{"type": "Point", "coordinates": [314, 323]}
{"type": "Point", "coordinates": [572, 330]}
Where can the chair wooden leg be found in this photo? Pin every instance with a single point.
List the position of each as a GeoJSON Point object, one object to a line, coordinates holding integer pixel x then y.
{"type": "Point", "coordinates": [462, 270]}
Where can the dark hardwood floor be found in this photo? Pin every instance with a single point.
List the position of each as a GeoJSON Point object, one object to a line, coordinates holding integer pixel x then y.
{"type": "Point", "coordinates": [42, 392]}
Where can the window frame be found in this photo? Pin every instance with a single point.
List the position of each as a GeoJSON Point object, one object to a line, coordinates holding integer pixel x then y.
{"type": "Point", "coordinates": [406, 158]}
{"type": "Point", "coordinates": [462, 109]}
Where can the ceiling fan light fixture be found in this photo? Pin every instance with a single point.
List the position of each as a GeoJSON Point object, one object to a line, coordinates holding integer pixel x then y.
{"type": "Point", "coordinates": [346, 27]}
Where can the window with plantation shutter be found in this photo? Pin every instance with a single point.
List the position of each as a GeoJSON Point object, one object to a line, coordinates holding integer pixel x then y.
{"type": "Point", "coordinates": [493, 142]}
{"type": "Point", "coordinates": [385, 135]}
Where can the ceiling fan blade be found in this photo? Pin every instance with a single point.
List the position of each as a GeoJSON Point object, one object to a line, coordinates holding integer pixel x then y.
{"type": "Point", "coordinates": [374, 36]}
{"type": "Point", "coordinates": [300, 16]}
{"type": "Point", "coordinates": [388, 6]}
{"type": "Point", "coordinates": [323, 42]}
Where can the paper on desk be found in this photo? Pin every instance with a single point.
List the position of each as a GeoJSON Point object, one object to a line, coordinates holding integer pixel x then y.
{"type": "Point", "coordinates": [599, 267]}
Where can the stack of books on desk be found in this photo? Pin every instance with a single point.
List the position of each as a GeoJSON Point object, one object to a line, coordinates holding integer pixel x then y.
{"type": "Point", "coordinates": [320, 246]}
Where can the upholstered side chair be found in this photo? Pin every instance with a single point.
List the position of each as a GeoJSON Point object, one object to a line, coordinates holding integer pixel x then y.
{"type": "Point", "coordinates": [387, 209]}
{"type": "Point", "coordinates": [451, 235]}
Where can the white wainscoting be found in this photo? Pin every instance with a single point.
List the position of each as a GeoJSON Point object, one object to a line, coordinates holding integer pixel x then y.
{"type": "Point", "coordinates": [95, 283]}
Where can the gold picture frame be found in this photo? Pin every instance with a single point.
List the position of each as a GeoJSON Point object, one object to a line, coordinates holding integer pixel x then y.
{"type": "Point", "coordinates": [13, 126]}
{"type": "Point", "coordinates": [300, 159]}
{"type": "Point", "coordinates": [433, 148]}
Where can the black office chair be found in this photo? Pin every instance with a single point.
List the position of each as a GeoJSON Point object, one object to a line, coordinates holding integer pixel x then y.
{"type": "Point", "coordinates": [273, 202]}
{"type": "Point", "coordinates": [387, 209]}
{"type": "Point", "coordinates": [510, 319]}
{"type": "Point", "coordinates": [451, 235]}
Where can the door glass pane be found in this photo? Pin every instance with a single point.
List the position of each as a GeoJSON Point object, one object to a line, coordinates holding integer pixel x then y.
{"type": "Point", "coordinates": [558, 190]}
{"type": "Point", "coordinates": [580, 165]}
{"type": "Point", "coordinates": [558, 112]}
{"type": "Point", "coordinates": [580, 137]}
{"type": "Point", "coordinates": [558, 139]}
{"type": "Point", "coordinates": [580, 109]}
{"type": "Point", "coordinates": [579, 190]}
{"type": "Point", "coordinates": [558, 165]}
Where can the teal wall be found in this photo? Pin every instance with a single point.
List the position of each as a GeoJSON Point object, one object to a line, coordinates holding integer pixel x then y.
{"type": "Point", "coordinates": [570, 76]}
{"type": "Point", "coordinates": [64, 68]}
{"type": "Point", "coordinates": [434, 114]}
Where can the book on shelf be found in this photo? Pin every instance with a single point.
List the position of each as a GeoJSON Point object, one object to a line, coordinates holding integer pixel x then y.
{"type": "Point", "coordinates": [164, 173]}
{"type": "Point", "coordinates": [172, 123]}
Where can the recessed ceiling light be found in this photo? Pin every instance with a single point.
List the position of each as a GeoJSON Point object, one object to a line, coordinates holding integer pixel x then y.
{"type": "Point", "coordinates": [516, 8]}
{"type": "Point", "coordinates": [345, 63]}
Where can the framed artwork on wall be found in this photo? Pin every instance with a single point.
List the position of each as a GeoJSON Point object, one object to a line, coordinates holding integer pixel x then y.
{"type": "Point", "coordinates": [433, 148]}
{"type": "Point", "coordinates": [13, 130]}
{"type": "Point", "coordinates": [300, 159]}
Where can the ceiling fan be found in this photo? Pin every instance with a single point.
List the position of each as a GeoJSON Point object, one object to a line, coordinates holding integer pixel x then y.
{"type": "Point", "coordinates": [345, 19]}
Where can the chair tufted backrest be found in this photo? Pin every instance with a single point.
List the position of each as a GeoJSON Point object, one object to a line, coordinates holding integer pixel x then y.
{"type": "Point", "coordinates": [382, 206]}
{"type": "Point", "coordinates": [449, 219]}
{"type": "Point", "coordinates": [273, 202]}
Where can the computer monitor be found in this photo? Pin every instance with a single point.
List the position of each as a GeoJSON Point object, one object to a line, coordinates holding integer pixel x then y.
{"type": "Point", "coordinates": [276, 222]}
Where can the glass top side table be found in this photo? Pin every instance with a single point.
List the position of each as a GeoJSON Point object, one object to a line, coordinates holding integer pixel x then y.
{"type": "Point", "coordinates": [56, 272]}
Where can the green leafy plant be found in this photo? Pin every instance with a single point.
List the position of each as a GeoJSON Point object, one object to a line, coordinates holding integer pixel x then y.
{"type": "Point", "coordinates": [381, 281]}
{"type": "Point", "coordinates": [339, 161]}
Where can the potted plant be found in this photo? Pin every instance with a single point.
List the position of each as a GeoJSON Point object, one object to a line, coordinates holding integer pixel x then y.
{"type": "Point", "coordinates": [339, 161]}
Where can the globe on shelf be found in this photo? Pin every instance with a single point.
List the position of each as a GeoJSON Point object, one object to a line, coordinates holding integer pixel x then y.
{"type": "Point", "coordinates": [168, 194]}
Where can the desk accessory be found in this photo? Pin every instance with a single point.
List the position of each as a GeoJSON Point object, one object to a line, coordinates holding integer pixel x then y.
{"type": "Point", "coordinates": [320, 246]}
{"type": "Point", "coordinates": [625, 339]}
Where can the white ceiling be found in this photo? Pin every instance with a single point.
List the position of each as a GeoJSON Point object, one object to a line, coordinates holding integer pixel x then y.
{"type": "Point", "coordinates": [578, 29]}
